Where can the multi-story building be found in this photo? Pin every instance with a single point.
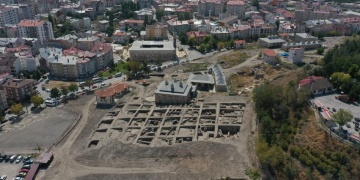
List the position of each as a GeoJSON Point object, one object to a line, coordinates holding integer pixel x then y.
{"type": "Point", "coordinates": [296, 55]}
{"type": "Point", "coordinates": [152, 51]}
{"type": "Point", "coordinates": [7, 64]}
{"type": "Point", "coordinates": [211, 7]}
{"type": "Point", "coordinates": [240, 31]}
{"type": "Point", "coordinates": [120, 37]}
{"type": "Point", "coordinates": [271, 41]}
{"type": "Point", "coordinates": [3, 101]}
{"type": "Point", "coordinates": [221, 33]}
{"type": "Point", "coordinates": [24, 11]}
{"type": "Point", "coordinates": [87, 43]}
{"type": "Point", "coordinates": [269, 56]}
{"type": "Point", "coordinates": [236, 7]}
{"type": "Point", "coordinates": [156, 32]}
{"type": "Point", "coordinates": [41, 30]}
{"type": "Point", "coordinates": [173, 92]}
{"type": "Point", "coordinates": [130, 23]}
{"type": "Point", "coordinates": [8, 15]}
{"type": "Point", "coordinates": [145, 3]}
{"type": "Point", "coordinates": [18, 89]}
{"type": "Point", "coordinates": [178, 26]}
{"type": "Point", "coordinates": [143, 14]}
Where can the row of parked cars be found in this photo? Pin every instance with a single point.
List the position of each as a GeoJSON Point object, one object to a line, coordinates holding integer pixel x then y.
{"type": "Point", "coordinates": [27, 161]}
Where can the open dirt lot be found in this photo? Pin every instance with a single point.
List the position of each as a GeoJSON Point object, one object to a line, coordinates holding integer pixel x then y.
{"type": "Point", "coordinates": [41, 129]}
{"type": "Point", "coordinates": [10, 169]}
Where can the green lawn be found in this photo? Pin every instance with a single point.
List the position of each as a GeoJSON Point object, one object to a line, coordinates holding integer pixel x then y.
{"type": "Point", "coordinates": [120, 67]}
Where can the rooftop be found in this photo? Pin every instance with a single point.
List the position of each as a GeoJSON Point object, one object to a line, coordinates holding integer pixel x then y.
{"type": "Point", "coordinates": [31, 23]}
{"type": "Point", "coordinates": [17, 83]}
{"type": "Point", "coordinates": [152, 45]}
{"type": "Point", "coordinates": [232, 2]}
{"type": "Point", "coordinates": [273, 39]}
{"type": "Point", "coordinates": [175, 87]}
{"type": "Point", "coordinates": [269, 52]}
{"type": "Point", "coordinates": [112, 90]}
{"type": "Point", "coordinates": [315, 83]}
{"type": "Point", "coordinates": [219, 75]}
{"type": "Point", "coordinates": [201, 78]}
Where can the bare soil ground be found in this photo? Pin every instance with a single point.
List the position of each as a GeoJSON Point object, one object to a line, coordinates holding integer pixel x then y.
{"type": "Point", "coordinates": [57, 84]}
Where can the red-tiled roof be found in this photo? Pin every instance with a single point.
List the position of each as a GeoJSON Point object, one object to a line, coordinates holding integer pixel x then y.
{"type": "Point", "coordinates": [235, 2]}
{"type": "Point", "coordinates": [269, 52]}
{"type": "Point", "coordinates": [308, 80]}
{"type": "Point", "coordinates": [112, 90]}
{"type": "Point", "coordinates": [119, 33]}
{"type": "Point", "coordinates": [101, 47]}
{"type": "Point", "coordinates": [134, 21]}
{"type": "Point", "coordinates": [195, 34]}
{"type": "Point", "coordinates": [31, 23]}
{"type": "Point", "coordinates": [71, 51]}
{"type": "Point", "coordinates": [240, 42]}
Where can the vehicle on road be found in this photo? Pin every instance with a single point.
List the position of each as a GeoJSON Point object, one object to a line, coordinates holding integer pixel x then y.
{"type": "Point", "coordinates": [21, 113]}
{"type": "Point", "coordinates": [18, 159]}
{"type": "Point", "coordinates": [3, 177]}
{"type": "Point", "coordinates": [23, 170]}
{"type": "Point", "coordinates": [26, 158]}
{"type": "Point", "coordinates": [103, 84]}
{"type": "Point", "coordinates": [47, 81]}
{"type": "Point", "coordinates": [41, 79]}
{"type": "Point", "coordinates": [12, 118]}
{"type": "Point", "coordinates": [51, 103]}
{"type": "Point", "coordinates": [47, 90]}
{"type": "Point", "coordinates": [43, 87]}
{"type": "Point", "coordinates": [110, 77]}
{"type": "Point", "coordinates": [118, 74]}
{"type": "Point", "coordinates": [3, 157]}
{"type": "Point", "coordinates": [82, 84]}
{"type": "Point", "coordinates": [97, 80]}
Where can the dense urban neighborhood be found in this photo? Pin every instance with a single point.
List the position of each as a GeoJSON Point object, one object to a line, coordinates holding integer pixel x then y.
{"type": "Point", "coordinates": [180, 89]}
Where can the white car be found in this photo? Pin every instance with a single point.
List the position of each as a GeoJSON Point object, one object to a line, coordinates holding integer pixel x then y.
{"type": "Point", "coordinates": [103, 84]}
{"type": "Point", "coordinates": [47, 90]}
{"type": "Point", "coordinates": [18, 159]}
{"type": "Point", "coordinates": [3, 177]}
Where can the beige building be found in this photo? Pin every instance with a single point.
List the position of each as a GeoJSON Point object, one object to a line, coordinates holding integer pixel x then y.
{"type": "Point", "coordinates": [210, 7]}
{"type": "Point", "coordinates": [156, 32]}
{"type": "Point", "coordinates": [269, 56]}
{"type": "Point", "coordinates": [152, 51]}
{"type": "Point", "coordinates": [173, 92]}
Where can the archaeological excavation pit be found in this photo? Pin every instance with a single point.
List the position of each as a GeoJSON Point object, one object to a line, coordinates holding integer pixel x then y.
{"type": "Point", "coordinates": [146, 107]}
{"type": "Point", "coordinates": [208, 112]}
{"type": "Point", "coordinates": [142, 113]}
{"type": "Point", "coordinates": [171, 121]}
{"type": "Point", "coordinates": [207, 120]}
{"type": "Point", "coordinates": [133, 106]}
{"type": "Point", "coordinates": [228, 130]}
{"type": "Point", "coordinates": [145, 140]}
{"type": "Point", "coordinates": [206, 132]}
{"type": "Point", "coordinates": [149, 131]}
{"type": "Point", "coordinates": [191, 112]}
{"type": "Point", "coordinates": [93, 143]}
{"type": "Point", "coordinates": [158, 113]}
{"type": "Point", "coordinates": [121, 122]}
{"type": "Point", "coordinates": [188, 121]}
{"type": "Point", "coordinates": [130, 134]}
{"type": "Point", "coordinates": [153, 122]}
{"type": "Point", "coordinates": [186, 131]}
{"type": "Point", "coordinates": [209, 105]}
{"type": "Point", "coordinates": [231, 112]}
{"type": "Point", "coordinates": [115, 132]}
{"type": "Point", "coordinates": [183, 139]}
{"type": "Point", "coordinates": [138, 122]}
{"type": "Point", "coordinates": [104, 124]}
{"type": "Point", "coordinates": [174, 112]}
{"type": "Point", "coordinates": [230, 120]}
{"type": "Point", "coordinates": [168, 131]}
{"type": "Point", "coordinates": [232, 105]}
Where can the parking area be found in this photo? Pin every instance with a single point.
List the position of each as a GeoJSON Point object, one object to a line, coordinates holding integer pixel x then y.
{"type": "Point", "coordinates": [330, 103]}
{"type": "Point", "coordinates": [10, 169]}
{"type": "Point", "coordinates": [42, 130]}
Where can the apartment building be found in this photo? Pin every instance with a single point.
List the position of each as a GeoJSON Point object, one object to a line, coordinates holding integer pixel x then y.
{"type": "Point", "coordinates": [178, 26]}
{"type": "Point", "coordinates": [24, 11]}
{"type": "Point", "coordinates": [41, 30]}
{"type": "Point", "coordinates": [156, 32]}
{"type": "Point", "coordinates": [8, 15]}
{"type": "Point", "coordinates": [7, 63]}
{"type": "Point", "coordinates": [18, 89]}
{"type": "Point", "coordinates": [120, 37]}
{"type": "Point", "coordinates": [221, 33]}
{"type": "Point", "coordinates": [296, 55]}
{"type": "Point", "coordinates": [269, 56]}
{"type": "Point", "coordinates": [130, 23]}
{"type": "Point", "coordinates": [236, 7]}
{"type": "Point", "coordinates": [143, 14]}
{"type": "Point", "coordinates": [240, 31]}
{"type": "Point", "coordinates": [3, 100]}
{"type": "Point", "coordinates": [211, 7]}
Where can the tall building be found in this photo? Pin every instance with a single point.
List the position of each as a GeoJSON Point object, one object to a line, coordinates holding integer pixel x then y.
{"type": "Point", "coordinates": [236, 7]}
{"type": "Point", "coordinates": [24, 11]}
{"type": "Point", "coordinates": [8, 15]}
{"type": "Point", "coordinates": [211, 7]}
{"type": "Point", "coordinates": [36, 29]}
{"type": "Point", "coordinates": [18, 89]}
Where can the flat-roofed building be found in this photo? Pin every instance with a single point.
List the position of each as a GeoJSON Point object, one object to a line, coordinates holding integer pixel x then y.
{"type": "Point", "coordinates": [304, 37]}
{"type": "Point", "coordinates": [296, 55]}
{"type": "Point", "coordinates": [202, 81]}
{"type": "Point", "coordinates": [156, 32]}
{"type": "Point", "coordinates": [219, 76]}
{"type": "Point", "coordinates": [152, 51]}
{"type": "Point", "coordinates": [173, 92]}
{"type": "Point", "coordinates": [271, 41]}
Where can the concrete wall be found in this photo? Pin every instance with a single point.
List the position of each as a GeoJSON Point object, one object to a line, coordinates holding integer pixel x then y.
{"type": "Point", "coordinates": [171, 98]}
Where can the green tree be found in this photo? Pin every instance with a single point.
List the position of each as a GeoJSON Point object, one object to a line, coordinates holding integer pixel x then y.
{"type": "Point", "coordinates": [54, 93]}
{"type": "Point", "coordinates": [253, 174]}
{"type": "Point", "coordinates": [134, 66]}
{"type": "Point", "coordinates": [37, 100]}
{"type": "Point", "coordinates": [16, 109]}
{"type": "Point", "coordinates": [220, 45]}
{"type": "Point", "coordinates": [146, 68]}
{"type": "Point", "coordinates": [271, 157]}
{"type": "Point", "coordinates": [277, 23]}
{"type": "Point", "coordinates": [73, 87]}
{"type": "Point", "coordinates": [202, 48]}
{"type": "Point", "coordinates": [64, 90]}
{"type": "Point", "coordinates": [339, 79]}
{"type": "Point", "coordinates": [159, 14]}
{"type": "Point", "coordinates": [320, 50]}
{"type": "Point", "coordinates": [255, 3]}
{"type": "Point", "coordinates": [342, 117]}
{"type": "Point", "coordinates": [191, 42]}
{"type": "Point", "coordinates": [89, 83]}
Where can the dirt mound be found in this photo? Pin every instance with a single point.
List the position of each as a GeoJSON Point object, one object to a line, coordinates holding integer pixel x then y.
{"type": "Point", "coordinates": [210, 158]}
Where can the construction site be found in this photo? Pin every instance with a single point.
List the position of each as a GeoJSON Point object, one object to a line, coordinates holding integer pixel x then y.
{"type": "Point", "coordinates": [158, 126]}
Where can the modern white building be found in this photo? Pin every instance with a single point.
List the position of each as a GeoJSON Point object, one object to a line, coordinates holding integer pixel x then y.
{"type": "Point", "coordinates": [296, 55]}
{"type": "Point", "coordinates": [26, 62]}
{"type": "Point", "coordinates": [36, 29]}
{"type": "Point", "coordinates": [152, 51]}
{"type": "Point", "coordinates": [173, 92]}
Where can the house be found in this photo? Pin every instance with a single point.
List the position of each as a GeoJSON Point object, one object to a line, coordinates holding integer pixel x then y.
{"type": "Point", "coordinates": [120, 37]}
{"type": "Point", "coordinates": [107, 96]}
{"type": "Point", "coordinates": [296, 55]}
{"type": "Point", "coordinates": [173, 92]}
{"type": "Point", "coordinates": [240, 44]}
{"type": "Point", "coordinates": [269, 56]}
{"type": "Point", "coordinates": [18, 89]}
{"type": "Point", "coordinates": [318, 85]}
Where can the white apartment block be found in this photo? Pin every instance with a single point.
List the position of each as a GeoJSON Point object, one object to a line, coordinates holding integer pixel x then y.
{"type": "Point", "coordinates": [8, 15]}
{"type": "Point", "coordinates": [36, 29]}
{"type": "Point", "coordinates": [236, 7]}
{"type": "Point", "coordinates": [211, 7]}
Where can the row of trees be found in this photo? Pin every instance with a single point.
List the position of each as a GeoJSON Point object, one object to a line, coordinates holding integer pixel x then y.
{"type": "Point", "coordinates": [206, 44]}
{"type": "Point", "coordinates": [64, 90]}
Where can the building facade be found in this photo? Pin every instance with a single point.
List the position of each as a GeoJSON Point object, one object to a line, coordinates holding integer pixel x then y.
{"type": "Point", "coordinates": [211, 7]}
{"type": "Point", "coordinates": [296, 55]}
{"type": "Point", "coordinates": [269, 56]}
{"type": "Point", "coordinates": [156, 32]}
{"type": "Point", "coordinates": [152, 51]}
{"type": "Point", "coordinates": [41, 30]}
{"type": "Point", "coordinates": [8, 15]}
{"type": "Point", "coordinates": [18, 89]}
{"type": "Point", "coordinates": [173, 92]}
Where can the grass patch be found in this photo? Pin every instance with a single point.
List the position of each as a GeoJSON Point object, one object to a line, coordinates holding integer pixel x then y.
{"type": "Point", "coordinates": [193, 67]}
{"type": "Point", "coordinates": [233, 59]}
{"type": "Point", "coordinates": [236, 82]}
{"type": "Point", "coordinates": [119, 67]}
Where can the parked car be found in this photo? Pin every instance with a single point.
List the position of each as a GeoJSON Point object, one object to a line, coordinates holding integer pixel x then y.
{"type": "Point", "coordinates": [47, 81]}
{"type": "Point", "coordinates": [7, 159]}
{"type": "Point", "coordinates": [23, 174]}
{"type": "Point", "coordinates": [12, 118]}
{"type": "Point", "coordinates": [41, 80]}
{"type": "Point", "coordinates": [3, 157]}
{"type": "Point", "coordinates": [19, 178]}
{"type": "Point", "coordinates": [18, 159]}
{"type": "Point", "coordinates": [3, 177]}
{"type": "Point", "coordinates": [28, 162]}
{"type": "Point", "coordinates": [26, 166]}
{"type": "Point", "coordinates": [47, 90]}
{"type": "Point", "coordinates": [110, 77]}
{"type": "Point", "coordinates": [23, 170]}
{"type": "Point", "coordinates": [103, 84]}
{"type": "Point", "coordinates": [118, 74]}
{"type": "Point", "coordinates": [22, 113]}
{"type": "Point", "coordinates": [12, 158]}
{"type": "Point", "coordinates": [26, 158]}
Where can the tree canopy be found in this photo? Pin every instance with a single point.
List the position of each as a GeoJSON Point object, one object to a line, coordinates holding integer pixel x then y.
{"type": "Point", "coordinates": [342, 117]}
{"type": "Point", "coordinates": [73, 87]}
{"type": "Point", "coordinates": [54, 93]}
{"type": "Point", "coordinates": [16, 108]}
{"type": "Point", "coordinates": [37, 100]}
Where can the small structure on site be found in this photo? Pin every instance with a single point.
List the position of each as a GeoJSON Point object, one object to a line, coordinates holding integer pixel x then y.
{"type": "Point", "coordinates": [220, 82]}
{"type": "Point", "coordinates": [107, 96]}
{"type": "Point", "coordinates": [318, 85]}
{"type": "Point", "coordinates": [174, 92]}
{"type": "Point", "coordinates": [202, 81]}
